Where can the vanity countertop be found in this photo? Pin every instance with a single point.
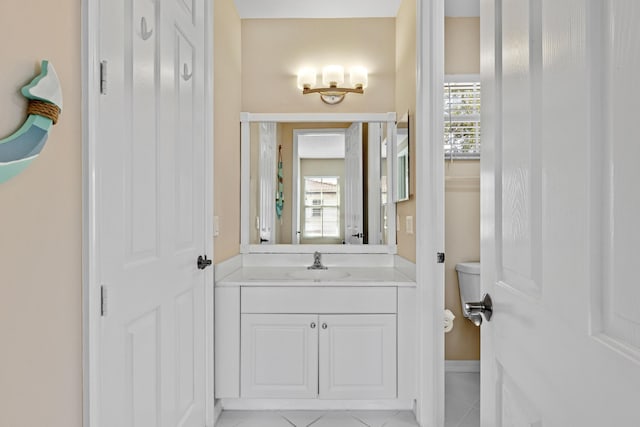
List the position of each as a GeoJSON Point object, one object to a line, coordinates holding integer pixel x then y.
{"type": "Point", "coordinates": [300, 276]}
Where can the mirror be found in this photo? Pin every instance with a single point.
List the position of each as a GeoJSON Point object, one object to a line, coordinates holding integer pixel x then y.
{"type": "Point", "coordinates": [321, 182]}
{"type": "Point", "coordinates": [402, 159]}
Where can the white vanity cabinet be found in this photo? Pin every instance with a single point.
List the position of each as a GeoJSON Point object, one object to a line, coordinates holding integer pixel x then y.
{"type": "Point", "coordinates": [318, 353]}
{"type": "Point", "coordinates": [322, 343]}
{"type": "Point", "coordinates": [326, 356]}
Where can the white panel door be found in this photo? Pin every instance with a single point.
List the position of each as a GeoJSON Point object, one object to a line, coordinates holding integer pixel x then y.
{"type": "Point", "coordinates": [279, 355]}
{"type": "Point", "coordinates": [560, 209]}
{"type": "Point", "coordinates": [353, 186]}
{"type": "Point", "coordinates": [357, 356]}
{"type": "Point", "coordinates": [151, 213]}
{"type": "Point", "coordinates": [374, 199]}
{"type": "Point", "coordinates": [268, 179]}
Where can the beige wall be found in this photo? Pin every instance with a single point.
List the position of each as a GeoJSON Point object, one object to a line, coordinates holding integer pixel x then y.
{"type": "Point", "coordinates": [462, 45]}
{"type": "Point", "coordinates": [462, 196]}
{"type": "Point", "coordinates": [406, 101]}
{"type": "Point", "coordinates": [40, 226]}
{"type": "Point", "coordinates": [227, 97]}
{"type": "Point", "coordinates": [273, 50]}
{"type": "Point", "coordinates": [250, 69]}
{"type": "Point", "coordinates": [462, 242]}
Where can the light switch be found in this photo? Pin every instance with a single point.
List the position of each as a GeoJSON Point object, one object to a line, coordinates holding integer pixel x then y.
{"type": "Point", "coordinates": [409, 225]}
{"type": "Point", "coordinates": [216, 226]}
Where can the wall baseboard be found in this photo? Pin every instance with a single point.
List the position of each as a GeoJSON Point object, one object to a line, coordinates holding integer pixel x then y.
{"type": "Point", "coordinates": [315, 404]}
{"type": "Point", "coordinates": [217, 411]}
{"type": "Point", "coordinates": [462, 366]}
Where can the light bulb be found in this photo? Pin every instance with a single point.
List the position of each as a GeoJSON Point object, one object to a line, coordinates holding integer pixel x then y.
{"type": "Point", "coordinates": [333, 75]}
{"type": "Point", "coordinates": [306, 78]}
{"type": "Point", "coordinates": [359, 77]}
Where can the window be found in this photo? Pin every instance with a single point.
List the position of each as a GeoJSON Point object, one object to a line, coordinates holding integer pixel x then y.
{"type": "Point", "coordinates": [321, 207]}
{"type": "Point", "coordinates": [462, 117]}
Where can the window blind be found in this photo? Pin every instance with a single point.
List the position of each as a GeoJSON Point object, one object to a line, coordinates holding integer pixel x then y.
{"type": "Point", "coordinates": [462, 119]}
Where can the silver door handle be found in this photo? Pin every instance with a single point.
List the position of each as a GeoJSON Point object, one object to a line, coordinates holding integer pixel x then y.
{"type": "Point", "coordinates": [484, 307]}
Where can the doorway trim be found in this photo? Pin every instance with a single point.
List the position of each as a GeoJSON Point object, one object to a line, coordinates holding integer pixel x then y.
{"type": "Point", "coordinates": [296, 232]}
{"type": "Point", "coordinates": [430, 209]}
{"type": "Point", "coordinates": [91, 292]}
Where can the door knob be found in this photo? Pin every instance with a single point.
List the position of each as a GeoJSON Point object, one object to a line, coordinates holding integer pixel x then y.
{"type": "Point", "coordinates": [475, 309]}
{"type": "Point", "coordinates": [203, 262]}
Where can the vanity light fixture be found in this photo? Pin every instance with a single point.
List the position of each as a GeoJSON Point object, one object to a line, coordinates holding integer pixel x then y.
{"type": "Point", "coordinates": [333, 79]}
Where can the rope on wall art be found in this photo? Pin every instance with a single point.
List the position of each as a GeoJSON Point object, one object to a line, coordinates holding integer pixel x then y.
{"type": "Point", "coordinates": [44, 109]}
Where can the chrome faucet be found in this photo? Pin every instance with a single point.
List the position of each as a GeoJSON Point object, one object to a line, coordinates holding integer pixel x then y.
{"type": "Point", "coordinates": [317, 262]}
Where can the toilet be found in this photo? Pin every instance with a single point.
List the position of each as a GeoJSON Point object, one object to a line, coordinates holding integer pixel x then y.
{"type": "Point", "coordinates": [469, 283]}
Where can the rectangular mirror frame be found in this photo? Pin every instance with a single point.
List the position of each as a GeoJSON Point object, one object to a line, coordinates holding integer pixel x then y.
{"type": "Point", "coordinates": [245, 124]}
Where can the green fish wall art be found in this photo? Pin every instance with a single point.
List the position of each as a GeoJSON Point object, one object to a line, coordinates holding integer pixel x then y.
{"type": "Point", "coordinates": [17, 151]}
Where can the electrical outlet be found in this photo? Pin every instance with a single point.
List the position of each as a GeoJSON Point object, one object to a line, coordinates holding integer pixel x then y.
{"type": "Point", "coordinates": [408, 225]}
{"type": "Point", "coordinates": [216, 226]}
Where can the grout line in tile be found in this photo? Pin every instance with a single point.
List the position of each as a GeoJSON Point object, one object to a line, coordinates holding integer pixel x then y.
{"type": "Point", "coordinates": [362, 421]}
{"type": "Point", "coordinates": [464, 416]}
{"type": "Point", "coordinates": [318, 419]}
{"type": "Point", "coordinates": [287, 420]}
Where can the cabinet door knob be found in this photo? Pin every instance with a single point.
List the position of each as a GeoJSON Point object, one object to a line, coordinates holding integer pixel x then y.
{"type": "Point", "coordinates": [324, 326]}
{"type": "Point", "coordinates": [313, 325]}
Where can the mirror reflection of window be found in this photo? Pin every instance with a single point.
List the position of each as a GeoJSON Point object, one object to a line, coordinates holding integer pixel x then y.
{"type": "Point", "coordinates": [321, 207]}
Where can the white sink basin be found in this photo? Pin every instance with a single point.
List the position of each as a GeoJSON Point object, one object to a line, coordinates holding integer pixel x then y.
{"type": "Point", "coordinates": [318, 274]}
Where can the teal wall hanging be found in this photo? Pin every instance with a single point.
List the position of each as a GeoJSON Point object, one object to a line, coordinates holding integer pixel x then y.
{"type": "Point", "coordinates": [45, 105]}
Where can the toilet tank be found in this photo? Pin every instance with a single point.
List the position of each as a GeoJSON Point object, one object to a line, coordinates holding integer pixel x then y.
{"type": "Point", "coordinates": [469, 283]}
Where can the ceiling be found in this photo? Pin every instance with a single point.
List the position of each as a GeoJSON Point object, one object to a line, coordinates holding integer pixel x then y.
{"type": "Point", "coordinates": [251, 9]}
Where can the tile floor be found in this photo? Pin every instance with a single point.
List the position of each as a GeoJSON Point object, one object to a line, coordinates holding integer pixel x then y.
{"type": "Point", "coordinates": [462, 399]}
{"type": "Point", "coordinates": [462, 409]}
{"type": "Point", "coordinates": [317, 419]}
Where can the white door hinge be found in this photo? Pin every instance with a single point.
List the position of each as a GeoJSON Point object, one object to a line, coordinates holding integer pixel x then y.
{"type": "Point", "coordinates": [103, 301]}
{"type": "Point", "coordinates": [103, 77]}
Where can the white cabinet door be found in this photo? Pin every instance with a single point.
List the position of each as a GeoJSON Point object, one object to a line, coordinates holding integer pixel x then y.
{"type": "Point", "coordinates": [358, 356]}
{"type": "Point", "coordinates": [279, 357]}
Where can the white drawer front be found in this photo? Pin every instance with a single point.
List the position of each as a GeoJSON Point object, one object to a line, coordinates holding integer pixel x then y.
{"type": "Point", "coordinates": [327, 300]}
